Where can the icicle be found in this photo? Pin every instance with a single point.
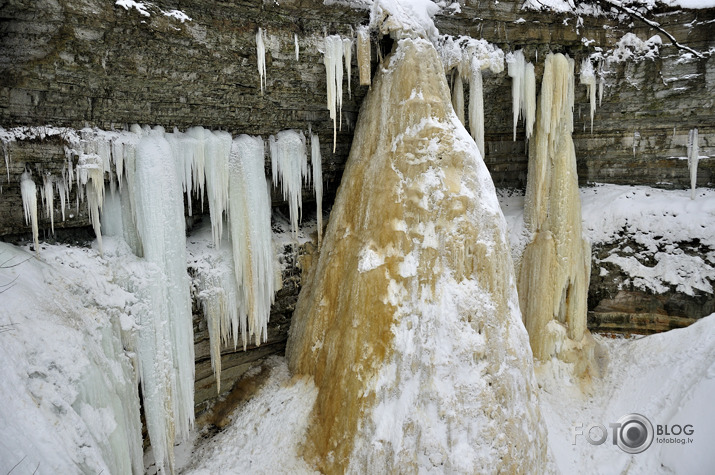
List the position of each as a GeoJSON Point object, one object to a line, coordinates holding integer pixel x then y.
{"type": "Point", "coordinates": [48, 199]}
{"type": "Point", "coordinates": [251, 228]}
{"type": "Point", "coordinates": [315, 161]}
{"type": "Point", "coordinates": [28, 190]}
{"type": "Point", "coordinates": [348, 54]}
{"type": "Point", "coordinates": [458, 95]}
{"type": "Point", "coordinates": [297, 47]}
{"type": "Point", "coordinates": [333, 60]}
{"type": "Point", "coordinates": [363, 55]}
{"type": "Point", "coordinates": [289, 162]}
{"type": "Point", "coordinates": [166, 344]}
{"type": "Point", "coordinates": [61, 186]}
{"type": "Point", "coordinates": [693, 158]}
{"type": "Point", "coordinates": [476, 105]}
{"type": "Point", "coordinates": [261, 54]}
{"type": "Point", "coordinates": [588, 78]}
{"type": "Point", "coordinates": [217, 151]}
{"type": "Point", "coordinates": [529, 106]}
{"type": "Point", "coordinates": [7, 159]}
{"type": "Point", "coordinates": [516, 65]}
{"type": "Point", "coordinates": [118, 157]}
{"type": "Point", "coordinates": [198, 162]}
{"type": "Point", "coordinates": [601, 82]}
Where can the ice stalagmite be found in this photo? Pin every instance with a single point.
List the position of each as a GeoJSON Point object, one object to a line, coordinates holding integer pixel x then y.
{"type": "Point", "coordinates": [556, 265]}
{"type": "Point", "coordinates": [363, 55]}
{"type": "Point", "coordinates": [166, 349]}
{"type": "Point", "coordinates": [316, 162]}
{"type": "Point", "coordinates": [409, 322]}
{"type": "Point", "coordinates": [693, 158]}
{"type": "Point", "coordinates": [289, 163]}
{"type": "Point", "coordinates": [28, 190]}
{"type": "Point", "coordinates": [476, 105]}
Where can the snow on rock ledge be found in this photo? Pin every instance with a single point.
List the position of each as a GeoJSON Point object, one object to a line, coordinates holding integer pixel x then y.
{"type": "Point", "coordinates": [421, 362]}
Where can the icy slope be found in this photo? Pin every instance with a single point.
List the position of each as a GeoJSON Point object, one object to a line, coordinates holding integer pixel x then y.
{"type": "Point", "coordinates": [69, 396]}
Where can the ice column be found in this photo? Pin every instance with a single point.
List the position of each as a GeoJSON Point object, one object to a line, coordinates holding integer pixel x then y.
{"type": "Point", "coordinates": [166, 345]}
{"type": "Point", "coordinates": [556, 264]}
{"type": "Point", "coordinates": [289, 163]}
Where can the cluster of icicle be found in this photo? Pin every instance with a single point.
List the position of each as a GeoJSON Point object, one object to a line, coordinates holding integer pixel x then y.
{"type": "Point", "coordinates": [523, 90]}
{"type": "Point", "coordinates": [335, 49]}
{"type": "Point", "coordinates": [149, 171]}
{"type": "Point", "coordinates": [467, 58]}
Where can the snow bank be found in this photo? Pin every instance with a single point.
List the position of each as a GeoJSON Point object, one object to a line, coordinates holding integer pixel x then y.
{"type": "Point", "coordinates": [669, 378]}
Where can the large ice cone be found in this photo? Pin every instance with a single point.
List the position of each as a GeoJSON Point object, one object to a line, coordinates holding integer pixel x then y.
{"type": "Point", "coordinates": [409, 321]}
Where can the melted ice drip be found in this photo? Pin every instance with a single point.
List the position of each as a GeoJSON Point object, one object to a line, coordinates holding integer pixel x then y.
{"type": "Point", "coordinates": [166, 350]}
{"type": "Point", "coordinates": [315, 160]}
{"type": "Point", "coordinates": [588, 78]}
{"type": "Point", "coordinates": [251, 235]}
{"type": "Point", "coordinates": [693, 158]}
{"type": "Point", "coordinates": [523, 90]}
{"type": "Point", "coordinates": [363, 55]}
{"type": "Point", "coordinates": [28, 190]}
{"type": "Point", "coordinates": [289, 162]}
{"type": "Point", "coordinates": [333, 60]}
{"type": "Point", "coordinates": [476, 105]}
{"type": "Point", "coordinates": [261, 55]}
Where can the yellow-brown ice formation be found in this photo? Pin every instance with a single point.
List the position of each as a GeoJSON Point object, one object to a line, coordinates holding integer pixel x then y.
{"type": "Point", "coordinates": [556, 264]}
{"type": "Point", "coordinates": [409, 322]}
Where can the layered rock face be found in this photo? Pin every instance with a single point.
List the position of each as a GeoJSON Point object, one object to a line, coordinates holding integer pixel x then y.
{"type": "Point", "coordinates": [409, 323]}
{"type": "Point", "coordinates": [72, 63]}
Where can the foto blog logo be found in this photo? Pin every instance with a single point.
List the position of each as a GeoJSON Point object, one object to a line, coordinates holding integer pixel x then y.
{"type": "Point", "coordinates": [632, 433]}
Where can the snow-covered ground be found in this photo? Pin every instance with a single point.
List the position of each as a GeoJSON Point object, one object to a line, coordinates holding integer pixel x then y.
{"type": "Point", "coordinates": [661, 224]}
{"type": "Point", "coordinates": [65, 319]}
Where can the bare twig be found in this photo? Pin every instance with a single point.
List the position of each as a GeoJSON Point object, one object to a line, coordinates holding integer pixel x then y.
{"type": "Point", "coordinates": [617, 4]}
{"type": "Point", "coordinates": [15, 466]}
